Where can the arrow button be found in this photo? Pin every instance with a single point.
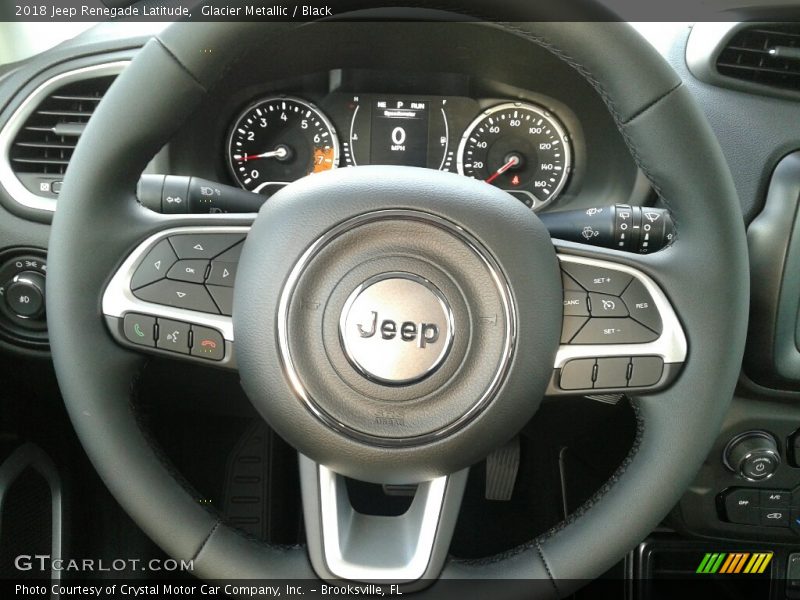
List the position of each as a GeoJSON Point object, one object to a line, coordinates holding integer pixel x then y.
{"type": "Point", "coordinates": [203, 245]}
{"type": "Point", "coordinates": [191, 296]}
{"type": "Point", "coordinates": [222, 273]}
{"type": "Point", "coordinates": [154, 266]}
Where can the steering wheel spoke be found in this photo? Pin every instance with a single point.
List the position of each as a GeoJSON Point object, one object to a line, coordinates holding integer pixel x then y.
{"type": "Point", "coordinates": [620, 333]}
{"type": "Point", "coordinates": [173, 294]}
{"type": "Point", "coordinates": [344, 543]}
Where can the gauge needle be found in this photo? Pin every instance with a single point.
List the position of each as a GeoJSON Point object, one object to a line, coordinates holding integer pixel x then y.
{"type": "Point", "coordinates": [279, 152]}
{"type": "Point", "coordinates": [514, 160]}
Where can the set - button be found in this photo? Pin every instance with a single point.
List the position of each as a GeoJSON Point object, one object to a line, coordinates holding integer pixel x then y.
{"type": "Point", "coordinates": [191, 271]}
{"type": "Point", "coordinates": [174, 336]}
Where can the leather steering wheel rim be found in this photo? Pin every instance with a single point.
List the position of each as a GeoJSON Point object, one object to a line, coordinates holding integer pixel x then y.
{"type": "Point", "coordinates": [670, 141]}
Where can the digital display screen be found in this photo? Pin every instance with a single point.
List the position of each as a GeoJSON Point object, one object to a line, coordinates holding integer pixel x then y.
{"type": "Point", "coordinates": [399, 133]}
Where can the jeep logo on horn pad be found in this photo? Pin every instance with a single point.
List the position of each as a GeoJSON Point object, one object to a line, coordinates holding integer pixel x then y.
{"type": "Point", "coordinates": [396, 328]}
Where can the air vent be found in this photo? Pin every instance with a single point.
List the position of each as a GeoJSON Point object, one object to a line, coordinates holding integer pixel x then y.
{"type": "Point", "coordinates": [44, 144]}
{"type": "Point", "coordinates": [763, 54]}
{"type": "Point", "coordinates": [38, 139]}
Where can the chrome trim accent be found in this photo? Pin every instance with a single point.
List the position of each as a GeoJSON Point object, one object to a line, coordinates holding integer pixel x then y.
{"type": "Point", "coordinates": [18, 192]}
{"type": "Point", "coordinates": [437, 295]}
{"type": "Point", "coordinates": [345, 544]}
{"type": "Point", "coordinates": [671, 344]}
{"type": "Point", "coordinates": [495, 272]}
{"type": "Point", "coordinates": [118, 298]}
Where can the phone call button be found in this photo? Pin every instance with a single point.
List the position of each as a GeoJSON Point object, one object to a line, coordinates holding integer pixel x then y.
{"type": "Point", "coordinates": [139, 329]}
{"type": "Point", "coordinates": [207, 343]}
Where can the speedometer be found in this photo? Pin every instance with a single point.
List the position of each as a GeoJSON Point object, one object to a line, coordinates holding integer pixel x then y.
{"type": "Point", "coordinates": [278, 140]}
{"type": "Point", "coordinates": [520, 148]}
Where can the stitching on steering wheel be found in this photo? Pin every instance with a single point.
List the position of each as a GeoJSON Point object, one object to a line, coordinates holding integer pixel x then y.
{"type": "Point", "coordinates": [621, 126]}
{"type": "Point", "coordinates": [547, 568]}
{"type": "Point", "coordinates": [620, 122]}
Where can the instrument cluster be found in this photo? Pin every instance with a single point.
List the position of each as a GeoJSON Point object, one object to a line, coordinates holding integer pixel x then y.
{"type": "Point", "coordinates": [520, 147]}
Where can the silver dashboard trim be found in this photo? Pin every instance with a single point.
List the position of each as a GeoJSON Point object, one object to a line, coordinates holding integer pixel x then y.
{"type": "Point", "coordinates": [345, 544]}
{"type": "Point", "coordinates": [18, 192]}
{"type": "Point", "coordinates": [671, 344]}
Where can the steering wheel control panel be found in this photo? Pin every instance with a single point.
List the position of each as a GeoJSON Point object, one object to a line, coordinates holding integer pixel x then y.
{"type": "Point", "coordinates": [619, 331]}
{"type": "Point", "coordinates": [22, 297]}
{"type": "Point", "coordinates": [174, 294]}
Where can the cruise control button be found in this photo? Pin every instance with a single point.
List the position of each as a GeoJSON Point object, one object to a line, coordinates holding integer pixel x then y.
{"type": "Point", "coordinates": [223, 296]}
{"type": "Point", "coordinates": [645, 370]}
{"type": "Point", "coordinates": [611, 373]}
{"type": "Point", "coordinates": [741, 506]}
{"type": "Point", "coordinates": [139, 329]}
{"type": "Point", "coordinates": [222, 273]}
{"type": "Point", "coordinates": [203, 245]}
{"type": "Point", "coordinates": [570, 326]}
{"type": "Point", "coordinates": [207, 343]}
{"type": "Point", "coordinates": [641, 306]}
{"type": "Point", "coordinates": [191, 271]}
{"type": "Point", "coordinates": [775, 517]}
{"type": "Point", "coordinates": [613, 331]}
{"type": "Point", "coordinates": [603, 305]}
{"type": "Point", "coordinates": [173, 336]}
{"type": "Point", "coordinates": [577, 374]}
{"type": "Point", "coordinates": [598, 279]}
{"type": "Point", "coordinates": [575, 304]}
{"type": "Point", "coordinates": [191, 296]}
{"type": "Point", "coordinates": [154, 266]}
{"type": "Point", "coordinates": [775, 498]}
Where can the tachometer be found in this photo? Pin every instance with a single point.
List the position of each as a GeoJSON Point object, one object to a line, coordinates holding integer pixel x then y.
{"type": "Point", "coordinates": [278, 140]}
{"type": "Point", "coordinates": [520, 148]}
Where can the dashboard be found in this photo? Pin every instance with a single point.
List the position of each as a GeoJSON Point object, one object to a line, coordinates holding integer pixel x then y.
{"type": "Point", "coordinates": [526, 124]}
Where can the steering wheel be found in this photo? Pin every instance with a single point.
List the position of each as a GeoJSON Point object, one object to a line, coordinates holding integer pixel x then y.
{"type": "Point", "coordinates": [397, 324]}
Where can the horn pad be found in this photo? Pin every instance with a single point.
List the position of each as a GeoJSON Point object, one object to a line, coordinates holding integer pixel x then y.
{"type": "Point", "coordinates": [419, 317]}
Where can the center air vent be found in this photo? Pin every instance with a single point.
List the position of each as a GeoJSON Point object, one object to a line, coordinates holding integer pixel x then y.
{"type": "Point", "coordinates": [37, 141]}
{"type": "Point", "coordinates": [763, 54]}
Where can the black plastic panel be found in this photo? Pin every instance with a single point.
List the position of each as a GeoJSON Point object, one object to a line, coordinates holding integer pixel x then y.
{"type": "Point", "coordinates": [772, 355]}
